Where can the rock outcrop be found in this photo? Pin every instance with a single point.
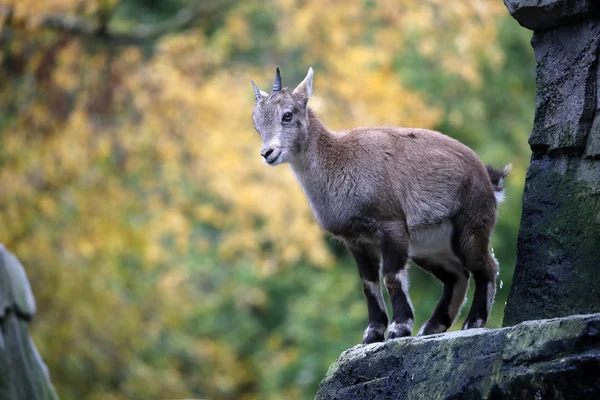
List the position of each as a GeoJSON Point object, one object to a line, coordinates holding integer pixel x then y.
{"type": "Point", "coordinates": [558, 252]}
{"type": "Point", "coordinates": [547, 359]}
{"type": "Point", "coordinates": [23, 374]}
{"type": "Point", "coordinates": [539, 15]}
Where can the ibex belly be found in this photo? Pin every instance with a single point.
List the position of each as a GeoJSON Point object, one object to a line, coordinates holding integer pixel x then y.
{"type": "Point", "coordinates": [434, 241]}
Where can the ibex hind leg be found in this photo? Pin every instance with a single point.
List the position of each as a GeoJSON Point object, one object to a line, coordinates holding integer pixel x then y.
{"type": "Point", "coordinates": [485, 291]}
{"type": "Point", "coordinates": [472, 247]}
{"type": "Point", "coordinates": [456, 282]}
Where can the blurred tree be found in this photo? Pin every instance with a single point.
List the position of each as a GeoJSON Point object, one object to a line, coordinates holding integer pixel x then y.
{"type": "Point", "coordinates": [166, 259]}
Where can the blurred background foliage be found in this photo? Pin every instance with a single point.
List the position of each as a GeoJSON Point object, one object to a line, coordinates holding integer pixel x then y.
{"type": "Point", "coordinates": [167, 260]}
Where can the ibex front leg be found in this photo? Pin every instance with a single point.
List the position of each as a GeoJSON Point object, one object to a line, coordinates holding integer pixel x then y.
{"type": "Point", "coordinates": [394, 251]}
{"type": "Point", "coordinates": [367, 260]}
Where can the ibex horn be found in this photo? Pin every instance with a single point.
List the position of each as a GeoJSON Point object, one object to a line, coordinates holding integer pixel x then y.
{"type": "Point", "coordinates": [277, 82]}
{"type": "Point", "coordinates": [256, 91]}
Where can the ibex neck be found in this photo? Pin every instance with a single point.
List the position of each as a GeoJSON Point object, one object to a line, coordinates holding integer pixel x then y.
{"type": "Point", "coordinates": [316, 129]}
{"type": "Point", "coordinates": [313, 169]}
{"type": "Point", "coordinates": [319, 140]}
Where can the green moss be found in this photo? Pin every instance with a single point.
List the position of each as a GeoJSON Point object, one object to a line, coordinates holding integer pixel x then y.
{"type": "Point", "coordinates": [532, 358]}
{"type": "Point", "coordinates": [574, 228]}
{"type": "Point", "coordinates": [558, 271]}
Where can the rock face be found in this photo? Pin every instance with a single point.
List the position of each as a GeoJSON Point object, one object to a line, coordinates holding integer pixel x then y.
{"type": "Point", "coordinates": [558, 252]}
{"type": "Point", "coordinates": [23, 374]}
{"type": "Point", "coordinates": [539, 15]}
{"type": "Point", "coordinates": [547, 359]}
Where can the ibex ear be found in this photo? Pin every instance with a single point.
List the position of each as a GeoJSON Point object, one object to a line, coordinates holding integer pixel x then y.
{"type": "Point", "coordinates": [304, 89]}
{"type": "Point", "coordinates": [258, 93]}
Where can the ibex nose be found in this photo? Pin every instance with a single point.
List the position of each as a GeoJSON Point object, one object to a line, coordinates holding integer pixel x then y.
{"type": "Point", "coordinates": [266, 152]}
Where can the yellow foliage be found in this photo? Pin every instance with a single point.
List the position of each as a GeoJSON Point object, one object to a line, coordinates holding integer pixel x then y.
{"type": "Point", "coordinates": [113, 159]}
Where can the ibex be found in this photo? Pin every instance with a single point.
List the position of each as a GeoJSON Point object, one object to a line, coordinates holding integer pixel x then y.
{"type": "Point", "coordinates": [391, 194]}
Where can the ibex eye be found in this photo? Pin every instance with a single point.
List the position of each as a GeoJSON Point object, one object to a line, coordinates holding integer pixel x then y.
{"type": "Point", "coordinates": [287, 117]}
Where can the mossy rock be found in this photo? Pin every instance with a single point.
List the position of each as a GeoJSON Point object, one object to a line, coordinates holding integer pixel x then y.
{"type": "Point", "coordinates": [558, 255]}
{"type": "Point", "coordinates": [23, 374]}
{"type": "Point", "coordinates": [557, 358]}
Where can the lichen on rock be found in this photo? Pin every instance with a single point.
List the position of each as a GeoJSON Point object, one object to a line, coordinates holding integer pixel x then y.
{"type": "Point", "coordinates": [557, 358]}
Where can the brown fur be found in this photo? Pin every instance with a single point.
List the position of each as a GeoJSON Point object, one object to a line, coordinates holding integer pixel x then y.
{"type": "Point", "coordinates": [418, 175]}
{"type": "Point", "coordinates": [390, 194]}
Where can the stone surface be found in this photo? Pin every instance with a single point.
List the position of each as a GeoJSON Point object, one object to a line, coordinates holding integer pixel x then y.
{"type": "Point", "coordinates": [23, 374]}
{"type": "Point", "coordinates": [547, 359]}
{"type": "Point", "coordinates": [558, 252]}
{"type": "Point", "coordinates": [15, 291]}
{"type": "Point", "coordinates": [540, 15]}
{"type": "Point", "coordinates": [566, 79]}
{"type": "Point", "coordinates": [558, 256]}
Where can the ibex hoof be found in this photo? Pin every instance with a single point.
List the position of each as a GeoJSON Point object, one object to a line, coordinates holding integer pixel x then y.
{"type": "Point", "coordinates": [473, 323]}
{"type": "Point", "coordinates": [431, 328]}
{"type": "Point", "coordinates": [374, 334]}
{"type": "Point", "coordinates": [396, 330]}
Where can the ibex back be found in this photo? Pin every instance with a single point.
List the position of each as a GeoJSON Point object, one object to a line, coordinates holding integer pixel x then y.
{"type": "Point", "coordinates": [391, 194]}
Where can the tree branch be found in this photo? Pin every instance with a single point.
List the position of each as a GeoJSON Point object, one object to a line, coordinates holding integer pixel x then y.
{"type": "Point", "coordinates": [83, 26]}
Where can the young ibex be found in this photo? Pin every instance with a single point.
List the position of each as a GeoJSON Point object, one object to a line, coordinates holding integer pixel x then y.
{"type": "Point", "coordinates": [391, 194]}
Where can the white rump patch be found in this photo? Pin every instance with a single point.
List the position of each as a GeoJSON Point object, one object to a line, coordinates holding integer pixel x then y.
{"type": "Point", "coordinates": [499, 196]}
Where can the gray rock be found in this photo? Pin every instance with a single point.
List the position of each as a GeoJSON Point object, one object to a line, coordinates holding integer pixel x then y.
{"type": "Point", "coordinates": [540, 15]}
{"type": "Point", "coordinates": [26, 377]}
{"type": "Point", "coordinates": [566, 101]}
{"type": "Point", "coordinates": [547, 359]}
{"type": "Point", "coordinates": [15, 290]}
{"type": "Point", "coordinates": [558, 253]}
{"type": "Point", "coordinates": [23, 374]}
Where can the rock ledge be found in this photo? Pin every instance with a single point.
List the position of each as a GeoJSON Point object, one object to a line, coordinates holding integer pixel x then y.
{"type": "Point", "coordinates": [556, 358]}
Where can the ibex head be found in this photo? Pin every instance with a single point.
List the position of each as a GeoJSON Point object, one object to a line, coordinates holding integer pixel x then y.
{"type": "Point", "coordinates": [281, 118]}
